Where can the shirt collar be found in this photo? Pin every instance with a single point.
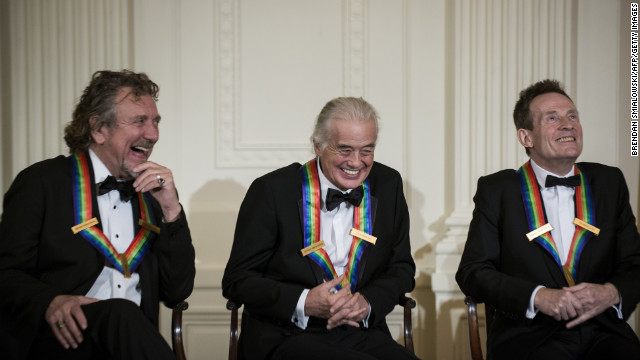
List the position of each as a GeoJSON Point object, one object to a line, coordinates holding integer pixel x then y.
{"type": "Point", "coordinates": [100, 171]}
{"type": "Point", "coordinates": [325, 184]}
{"type": "Point", "coordinates": [541, 174]}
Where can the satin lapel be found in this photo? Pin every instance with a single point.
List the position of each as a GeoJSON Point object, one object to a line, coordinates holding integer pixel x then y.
{"type": "Point", "coordinates": [94, 193]}
{"type": "Point", "coordinates": [365, 256]}
{"type": "Point", "coordinates": [590, 235]}
{"type": "Point", "coordinates": [317, 272]}
{"type": "Point", "coordinates": [95, 209]}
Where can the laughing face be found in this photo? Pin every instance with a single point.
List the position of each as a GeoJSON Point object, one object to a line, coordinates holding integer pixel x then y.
{"type": "Point", "coordinates": [347, 158]}
{"type": "Point", "coordinates": [131, 140]}
{"type": "Point", "coordinates": [556, 139]}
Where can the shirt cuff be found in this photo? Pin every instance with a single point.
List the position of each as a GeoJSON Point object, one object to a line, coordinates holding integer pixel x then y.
{"type": "Point", "coordinates": [531, 310]}
{"type": "Point", "coordinates": [618, 309]}
{"type": "Point", "coordinates": [299, 318]}
{"type": "Point", "coordinates": [365, 322]}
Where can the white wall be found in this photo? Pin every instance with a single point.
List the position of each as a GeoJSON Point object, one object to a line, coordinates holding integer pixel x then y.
{"type": "Point", "coordinates": [241, 82]}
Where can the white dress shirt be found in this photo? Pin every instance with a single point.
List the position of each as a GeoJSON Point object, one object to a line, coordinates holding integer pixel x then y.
{"type": "Point", "coordinates": [117, 225]}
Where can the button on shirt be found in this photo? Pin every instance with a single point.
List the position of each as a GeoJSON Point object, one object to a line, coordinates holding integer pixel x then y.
{"type": "Point", "coordinates": [117, 225]}
{"type": "Point", "coordinates": [335, 226]}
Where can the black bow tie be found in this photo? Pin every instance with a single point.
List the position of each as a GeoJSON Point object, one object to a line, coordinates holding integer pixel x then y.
{"type": "Point", "coordinates": [571, 181]}
{"type": "Point", "coordinates": [124, 187]}
{"type": "Point", "coordinates": [335, 197]}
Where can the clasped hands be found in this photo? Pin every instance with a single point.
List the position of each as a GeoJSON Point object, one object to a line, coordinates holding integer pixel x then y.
{"type": "Point", "coordinates": [577, 303]}
{"type": "Point", "coordinates": [339, 308]}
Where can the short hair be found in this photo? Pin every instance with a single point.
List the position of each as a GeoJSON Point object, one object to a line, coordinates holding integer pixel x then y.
{"type": "Point", "coordinates": [99, 99]}
{"type": "Point", "coordinates": [341, 108]}
{"type": "Point", "coordinates": [522, 116]}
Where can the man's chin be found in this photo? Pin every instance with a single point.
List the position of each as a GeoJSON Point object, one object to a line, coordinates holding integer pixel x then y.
{"type": "Point", "coordinates": [129, 174]}
{"type": "Point", "coordinates": [349, 184]}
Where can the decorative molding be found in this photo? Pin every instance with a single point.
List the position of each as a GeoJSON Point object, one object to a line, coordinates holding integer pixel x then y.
{"type": "Point", "coordinates": [355, 48]}
{"type": "Point", "coordinates": [231, 150]}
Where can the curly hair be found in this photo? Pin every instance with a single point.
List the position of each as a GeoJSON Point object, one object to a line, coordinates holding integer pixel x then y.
{"type": "Point", "coordinates": [99, 101]}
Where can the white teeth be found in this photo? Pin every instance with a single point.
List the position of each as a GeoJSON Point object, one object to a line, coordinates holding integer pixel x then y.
{"type": "Point", "coordinates": [350, 172]}
{"type": "Point", "coordinates": [566, 138]}
{"type": "Point", "coordinates": [144, 149]}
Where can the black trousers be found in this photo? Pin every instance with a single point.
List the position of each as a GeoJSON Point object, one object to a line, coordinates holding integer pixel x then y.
{"type": "Point", "coordinates": [345, 342]}
{"type": "Point", "coordinates": [117, 329]}
{"type": "Point", "coordinates": [588, 341]}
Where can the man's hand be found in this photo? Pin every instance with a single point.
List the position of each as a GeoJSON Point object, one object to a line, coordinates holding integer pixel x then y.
{"type": "Point", "coordinates": [339, 308]}
{"type": "Point", "coordinates": [159, 180]}
{"type": "Point", "coordinates": [351, 312]}
{"type": "Point", "coordinates": [66, 318]}
{"type": "Point", "coordinates": [560, 304]}
{"type": "Point", "coordinates": [595, 299]}
{"type": "Point", "coordinates": [320, 301]}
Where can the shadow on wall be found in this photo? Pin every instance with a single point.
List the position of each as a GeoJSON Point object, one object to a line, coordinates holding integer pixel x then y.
{"type": "Point", "coordinates": [423, 253]}
{"type": "Point", "coordinates": [212, 218]}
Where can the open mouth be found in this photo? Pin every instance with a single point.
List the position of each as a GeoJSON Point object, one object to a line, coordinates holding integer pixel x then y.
{"type": "Point", "coordinates": [566, 139]}
{"type": "Point", "coordinates": [350, 172]}
{"type": "Point", "coordinates": [140, 149]}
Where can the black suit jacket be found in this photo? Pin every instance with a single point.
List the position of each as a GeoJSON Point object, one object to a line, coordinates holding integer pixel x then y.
{"type": "Point", "coordinates": [267, 273]}
{"type": "Point", "coordinates": [501, 267]}
{"type": "Point", "coordinates": [40, 257]}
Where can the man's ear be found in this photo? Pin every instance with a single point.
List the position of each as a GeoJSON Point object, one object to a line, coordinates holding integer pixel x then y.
{"type": "Point", "coordinates": [317, 148]}
{"type": "Point", "coordinates": [524, 136]}
{"type": "Point", "coordinates": [97, 133]}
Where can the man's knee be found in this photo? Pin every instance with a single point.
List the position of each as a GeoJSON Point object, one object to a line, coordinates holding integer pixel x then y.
{"type": "Point", "coordinates": [116, 312]}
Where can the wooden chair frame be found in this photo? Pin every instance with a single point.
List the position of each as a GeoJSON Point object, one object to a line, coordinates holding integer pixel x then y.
{"type": "Point", "coordinates": [176, 330]}
{"type": "Point", "coordinates": [406, 302]}
{"type": "Point", "coordinates": [474, 329]}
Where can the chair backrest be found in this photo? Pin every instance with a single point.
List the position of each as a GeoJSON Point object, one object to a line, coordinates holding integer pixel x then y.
{"type": "Point", "coordinates": [406, 302]}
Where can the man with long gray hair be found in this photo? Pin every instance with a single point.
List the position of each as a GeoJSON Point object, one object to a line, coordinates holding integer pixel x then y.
{"type": "Point", "coordinates": [321, 252]}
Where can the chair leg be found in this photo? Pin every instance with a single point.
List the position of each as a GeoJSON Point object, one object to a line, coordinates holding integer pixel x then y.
{"type": "Point", "coordinates": [233, 330]}
{"type": "Point", "coordinates": [474, 332]}
{"type": "Point", "coordinates": [176, 326]}
{"type": "Point", "coordinates": [408, 303]}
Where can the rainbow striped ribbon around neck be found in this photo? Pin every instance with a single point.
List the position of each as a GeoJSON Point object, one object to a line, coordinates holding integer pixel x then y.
{"type": "Point", "coordinates": [311, 205]}
{"type": "Point", "coordinates": [534, 210]}
{"type": "Point", "coordinates": [129, 261]}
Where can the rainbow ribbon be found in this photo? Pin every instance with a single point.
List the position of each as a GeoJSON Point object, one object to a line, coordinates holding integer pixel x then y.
{"type": "Point", "coordinates": [311, 204]}
{"type": "Point", "coordinates": [536, 218]}
{"type": "Point", "coordinates": [82, 204]}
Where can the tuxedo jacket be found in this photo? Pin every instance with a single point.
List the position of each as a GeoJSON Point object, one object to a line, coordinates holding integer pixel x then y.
{"type": "Point", "coordinates": [501, 267]}
{"type": "Point", "coordinates": [41, 258]}
{"type": "Point", "coordinates": [267, 273]}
